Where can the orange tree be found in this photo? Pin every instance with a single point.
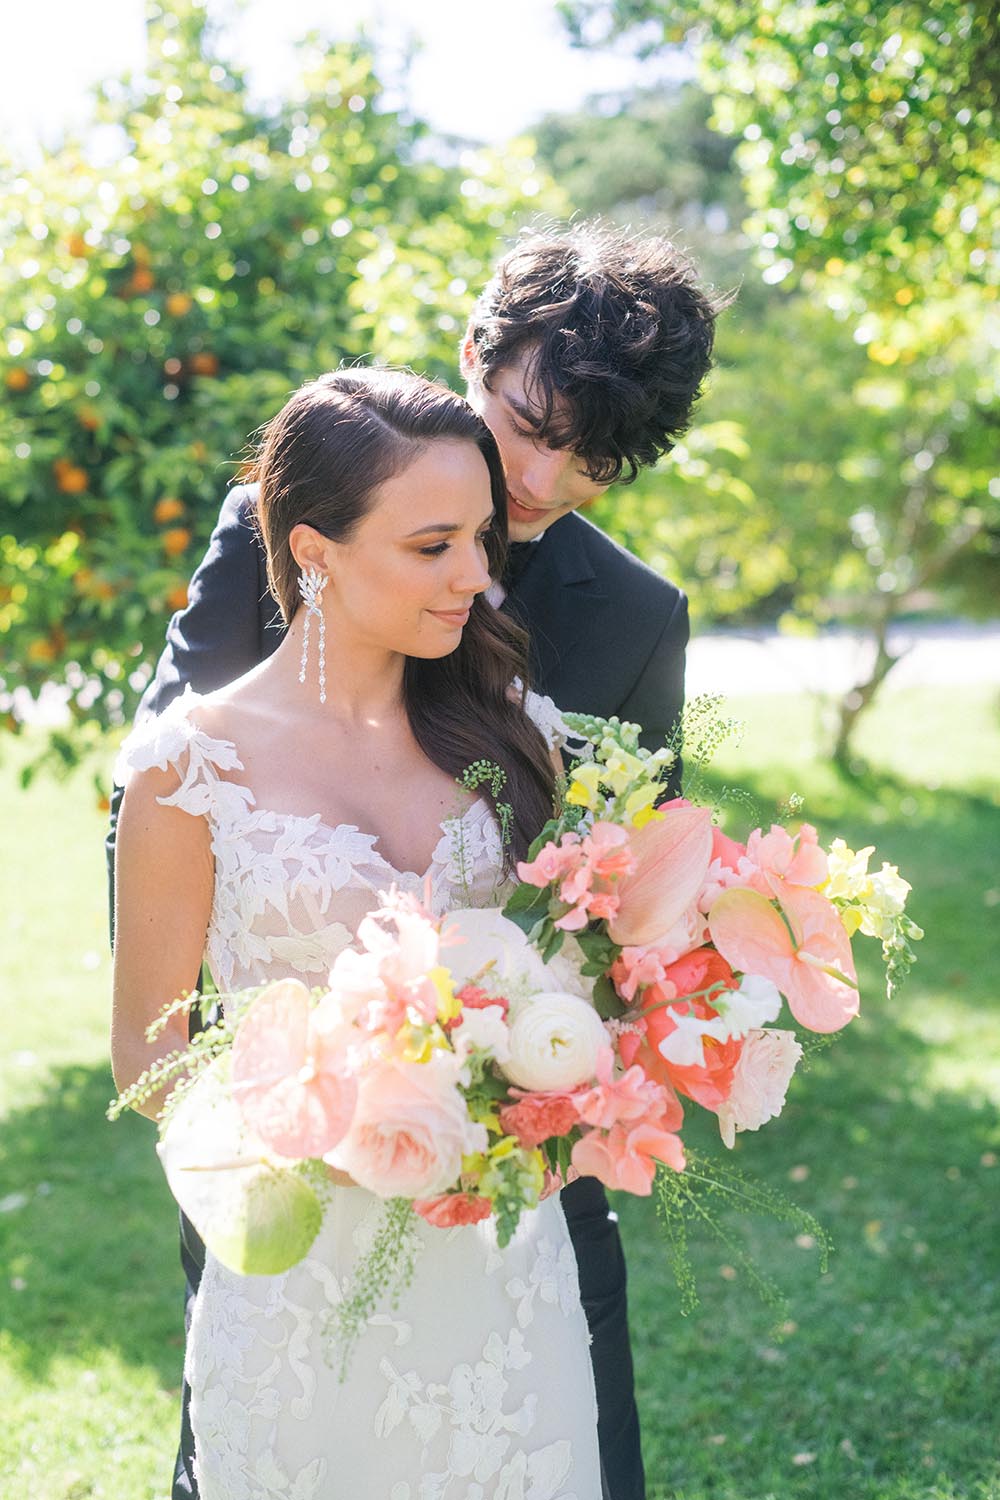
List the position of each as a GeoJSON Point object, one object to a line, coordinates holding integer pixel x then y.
{"type": "Point", "coordinates": [156, 307]}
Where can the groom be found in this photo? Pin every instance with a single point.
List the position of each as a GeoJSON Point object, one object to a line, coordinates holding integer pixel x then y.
{"type": "Point", "coordinates": [584, 354]}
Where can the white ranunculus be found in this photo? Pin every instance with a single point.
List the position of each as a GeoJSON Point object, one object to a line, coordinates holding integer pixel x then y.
{"type": "Point", "coordinates": [555, 1040]}
{"type": "Point", "coordinates": [763, 1073]}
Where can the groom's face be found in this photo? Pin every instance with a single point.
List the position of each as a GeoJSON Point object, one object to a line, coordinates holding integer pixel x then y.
{"type": "Point", "coordinates": [543, 483]}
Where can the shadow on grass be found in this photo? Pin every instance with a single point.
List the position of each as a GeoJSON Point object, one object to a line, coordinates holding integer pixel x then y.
{"type": "Point", "coordinates": [888, 1371]}
{"type": "Point", "coordinates": [90, 1261]}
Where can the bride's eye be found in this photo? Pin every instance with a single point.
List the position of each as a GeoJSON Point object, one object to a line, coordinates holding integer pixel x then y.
{"type": "Point", "coordinates": [434, 551]}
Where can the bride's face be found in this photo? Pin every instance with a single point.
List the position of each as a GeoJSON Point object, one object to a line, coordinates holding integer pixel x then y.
{"type": "Point", "coordinates": [406, 579]}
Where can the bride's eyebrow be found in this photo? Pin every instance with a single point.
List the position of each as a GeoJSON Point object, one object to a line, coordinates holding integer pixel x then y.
{"type": "Point", "coordinates": [447, 526]}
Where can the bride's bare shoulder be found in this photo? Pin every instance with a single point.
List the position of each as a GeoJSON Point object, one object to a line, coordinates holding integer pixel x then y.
{"type": "Point", "coordinates": [230, 709]}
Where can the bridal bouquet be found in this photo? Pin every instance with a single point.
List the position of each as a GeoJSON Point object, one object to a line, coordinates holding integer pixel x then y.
{"type": "Point", "coordinates": [460, 1067]}
{"type": "Point", "coordinates": [691, 939]}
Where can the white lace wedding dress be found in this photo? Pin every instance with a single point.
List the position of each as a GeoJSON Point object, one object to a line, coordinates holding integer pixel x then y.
{"type": "Point", "coordinates": [478, 1385]}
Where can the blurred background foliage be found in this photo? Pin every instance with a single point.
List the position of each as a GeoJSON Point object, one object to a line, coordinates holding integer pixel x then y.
{"type": "Point", "coordinates": [833, 167]}
{"type": "Point", "coordinates": [863, 395]}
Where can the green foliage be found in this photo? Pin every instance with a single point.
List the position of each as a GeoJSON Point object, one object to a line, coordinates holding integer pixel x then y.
{"type": "Point", "coordinates": [158, 307]}
{"type": "Point", "coordinates": [822, 487]}
{"type": "Point", "coordinates": [650, 158]}
{"type": "Point", "coordinates": [868, 132]}
{"type": "Point", "coordinates": [847, 468]}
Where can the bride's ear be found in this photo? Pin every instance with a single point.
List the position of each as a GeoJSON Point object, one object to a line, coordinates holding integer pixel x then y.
{"type": "Point", "coordinates": [310, 548]}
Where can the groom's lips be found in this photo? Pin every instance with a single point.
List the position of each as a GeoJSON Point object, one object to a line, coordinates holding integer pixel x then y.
{"type": "Point", "coordinates": [520, 512]}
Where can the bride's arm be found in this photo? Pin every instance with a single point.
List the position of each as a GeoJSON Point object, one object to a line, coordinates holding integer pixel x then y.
{"type": "Point", "coordinates": [163, 900]}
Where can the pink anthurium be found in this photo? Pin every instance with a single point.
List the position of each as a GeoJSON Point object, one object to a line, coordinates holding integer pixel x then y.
{"type": "Point", "coordinates": [805, 952]}
{"type": "Point", "coordinates": [672, 853]}
{"type": "Point", "coordinates": [289, 1073]}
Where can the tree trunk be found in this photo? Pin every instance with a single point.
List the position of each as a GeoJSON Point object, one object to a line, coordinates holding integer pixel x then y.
{"type": "Point", "coordinates": [854, 703]}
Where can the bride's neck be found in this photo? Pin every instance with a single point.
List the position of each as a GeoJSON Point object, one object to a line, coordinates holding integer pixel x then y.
{"type": "Point", "coordinates": [364, 683]}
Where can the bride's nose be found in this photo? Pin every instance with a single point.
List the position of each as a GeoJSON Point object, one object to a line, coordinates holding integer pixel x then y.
{"type": "Point", "coordinates": [473, 575]}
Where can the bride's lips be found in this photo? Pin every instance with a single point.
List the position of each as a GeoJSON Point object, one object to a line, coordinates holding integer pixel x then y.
{"type": "Point", "coordinates": [456, 618]}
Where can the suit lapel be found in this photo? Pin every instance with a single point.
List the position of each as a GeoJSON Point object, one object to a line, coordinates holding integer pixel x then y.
{"type": "Point", "coordinates": [553, 600]}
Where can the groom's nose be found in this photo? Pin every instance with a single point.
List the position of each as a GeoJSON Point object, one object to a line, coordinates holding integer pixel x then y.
{"type": "Point", "coordinates": [543, 475]}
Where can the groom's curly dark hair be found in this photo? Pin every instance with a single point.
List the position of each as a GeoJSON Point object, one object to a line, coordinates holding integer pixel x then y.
{"type": "Point", "coordinates": [619, 338]}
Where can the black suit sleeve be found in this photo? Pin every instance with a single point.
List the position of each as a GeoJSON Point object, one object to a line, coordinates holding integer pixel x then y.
{"type": "Point", "coordinates": [656, 697]}
{"type": "Point", "coordinates": [218, 636]}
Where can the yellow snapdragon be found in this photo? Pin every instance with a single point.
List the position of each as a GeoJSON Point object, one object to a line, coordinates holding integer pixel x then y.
{"type": "Point", "coordinates": [449, 1006]}
{"type": "Point", "coordinates": [848, 878]}
{"type": "Point", "coordinates": [584, 788]}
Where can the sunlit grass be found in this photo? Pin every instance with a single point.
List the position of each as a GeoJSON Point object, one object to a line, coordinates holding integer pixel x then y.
{"type": "Point", "coordinates": [881, 1382]}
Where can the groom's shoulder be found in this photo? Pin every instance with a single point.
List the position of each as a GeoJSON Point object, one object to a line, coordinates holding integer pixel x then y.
{"type": "Point", "coordinates": [239, 508]}
{"type": "Point", "coordinates": [616, 566]}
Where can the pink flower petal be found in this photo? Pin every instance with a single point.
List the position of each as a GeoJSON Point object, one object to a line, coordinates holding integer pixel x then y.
{"type": "Point", "coordinates": [672, 855]}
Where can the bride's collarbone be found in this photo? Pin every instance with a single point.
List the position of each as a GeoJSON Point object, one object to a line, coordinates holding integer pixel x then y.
{"type": "Point", "coordinates": [404, 814]}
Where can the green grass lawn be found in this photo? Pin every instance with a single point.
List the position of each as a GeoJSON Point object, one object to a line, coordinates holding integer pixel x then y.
{"type": "Point", "coordinates": [882, 1380]}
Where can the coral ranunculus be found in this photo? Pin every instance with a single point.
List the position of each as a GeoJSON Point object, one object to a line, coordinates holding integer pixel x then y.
{"type": "Point", "coordinates": [450, 1209]}
{"type": "Point", "coordinates": [672, 854]}
{"type": "Point", "coordinates": [537, 1117]}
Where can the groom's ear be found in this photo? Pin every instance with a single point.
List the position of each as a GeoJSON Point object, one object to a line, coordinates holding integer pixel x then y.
{"type": "Point", "coordinates": [467, 357]}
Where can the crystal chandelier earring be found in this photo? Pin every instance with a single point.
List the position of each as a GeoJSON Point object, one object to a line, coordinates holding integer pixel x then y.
{"type": "Point", "coordinates": [311, 585]}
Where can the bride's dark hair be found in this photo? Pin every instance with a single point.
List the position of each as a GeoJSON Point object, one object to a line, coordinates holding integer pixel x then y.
{"type": "Point", "coordinates": [319, 463]}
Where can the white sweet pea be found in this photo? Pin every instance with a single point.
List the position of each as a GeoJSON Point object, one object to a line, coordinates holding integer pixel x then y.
{"type": "Point", "coordinates": [555, 1040]}
{"type": "Point", "coordinates": [760, 1082]}
{"type": "Point", "coordinates": [756, 1002]}
{"type": "Point", "coordinates": [485, 1030]}
{"type": "Point", "coordinates": [685, 1045]}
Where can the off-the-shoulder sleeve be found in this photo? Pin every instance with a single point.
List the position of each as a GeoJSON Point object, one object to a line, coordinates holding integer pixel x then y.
{"type": "Point", "coordinates": [173, 740]}
{"type": "Point", "coordinates": [546, 717]}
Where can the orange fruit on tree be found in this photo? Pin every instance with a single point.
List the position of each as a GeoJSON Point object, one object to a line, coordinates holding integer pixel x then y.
{"type": "Point", "coordinates": [103, 804]}
{"type": "Point", "coordinates": [168, 509]}
{"type": "Point", "coordinates": [177, 598]}
{"type": "Point", "coordinates": [70, 478]}
{"type": "Point", "coordinates": [17, 379]}
{"type": "Point", "coordinates": [77, 245]}
{"type": "Point", "coordinates": [88, 418]}
{"type": "Point", "coordinates": [141, 280]}
{"type": "Point", "coordinates": [40, 650]}
{"type": "Point", "coordinates": [176, 540]}
{"type": "Point", "coordinates": [178, 303]}
{"type": "Point", "coordinates": [204, 364]}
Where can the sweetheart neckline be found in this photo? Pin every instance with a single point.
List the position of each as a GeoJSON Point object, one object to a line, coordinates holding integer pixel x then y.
{"type": "Point", "coordinates": [318, 822]}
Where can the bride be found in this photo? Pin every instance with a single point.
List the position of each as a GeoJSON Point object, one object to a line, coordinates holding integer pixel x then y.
{"type": "Point", "coordinates": [259, 825]}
